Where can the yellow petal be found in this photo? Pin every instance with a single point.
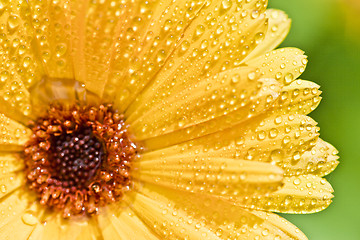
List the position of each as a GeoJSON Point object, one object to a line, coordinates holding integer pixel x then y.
{"type": "Point", "coordinates": [300, 97]}
{"type": "Point", "coordinates": [17, 56]}
{"type": "Point", "coordinates": [284, 65]}
{"type": "Point", "coordinates": [19, 67]}
{"type": "Point", "coordinates": [289, 229]}
{"type": "Point", "coordinates": [52, 26]}
{"type": "Point", "coordinates": [17, 219]}
{"type": "Point", "coordinates": [167, 221]}
{"type": "Point", "coordinates": [82, 229]}
{"type": "Point", "coordinates": [276, 139]}
{"type": "Point", "coordinates": [319, 160]}
{"type": "Point", "coordinates": [205, 42]}
{"type": "Point", "coordinates": [217, 176]}
{"type": "Point", "coordinates": [13, 135]}
{"type": "Point", "coordinates": [17, 229]}
{"type": "Point", "coordinates": [279, 26]}
{"type": "Point", "coordinates": [94, 28]}
{"type": "Point", "coordinates": [10, 182]}
{"type": "Point", "coordinates": [12, 207]}
{"type": "Point", "coordinates": [216, 96]}
{"type": "Point", "coordinates": [10, 163]}
{"type": "Point", "coordinates": [53, 227]}
{"type": "Point", "coordinates": [226, 220]}
{"type": "Point", "coordinates": [261, 102]}
{"type": "Point", "coordinates": [65, 91]}
{"type": "Point", "coordinates": [49, 231]}
{"type": "Point", "coordinates": [149, 33]}
{"type": "Point", "coordinates": [300, 194]}
{"type": "Point", "coordinates": [125, 225]}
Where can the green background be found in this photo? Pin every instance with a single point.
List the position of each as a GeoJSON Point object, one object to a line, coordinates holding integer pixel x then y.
{"type": "Point", "coordinates": [329, 33]}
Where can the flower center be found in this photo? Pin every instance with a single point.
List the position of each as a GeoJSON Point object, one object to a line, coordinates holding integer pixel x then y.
{"type": "Point", "coordinates": [79, 158]}
{"type": "Point", "coordinates": [75, 157]}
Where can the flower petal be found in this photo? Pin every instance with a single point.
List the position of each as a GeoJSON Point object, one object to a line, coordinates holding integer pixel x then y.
{"type": "Point", "coordinates": [224, 93]}
{"type": "Point", "coordinates": [282, 224]}
{"type": "Point", "coordinates": [125, 225]}
{"type": "Point", "coordinates": [319, 160]}
{"type": "Point", "coordinates": [205, 42]}
{"type": "Point", "coordinates": [22, 230]}
{"type": "Point", "coordinates": [279, 26]}
{"type": "Point", "coordinates": [240, 80]}
{"type": "Point", "coordinates": [258, 104]}
{"type": "Point", "coordinates": [51, 21]}
{"type": "Point", "coordinates": [19, 67]}
{"type": "Point", "coordinates": [13, 135]}
{"type": "Point", "coordinates": [12, 206]}
{"type": "Point", "coordinates": [16, 214]}
{"type": "Point", "coordinates": [226, 220]}
{"type": "Point", "coordinates": [94, 28]}
{"type": "Point", "coordinates": [10, 163]}
{"type": "Point", "coordinates": [300, 97]}
{"type": "Point", "coordinates": [17, 55]}
{"type": "Point", "coordinates": [64, 91]}
{"type": "Point", "coordinates": [60, 229]}
{"type": "Point", "coordinates": [166, 221]}
{"type": "Point", "coordinates": [49, 231]}
{"type": "Point", "coordinates": [10, 182]}
{"type": "Point", "coordinates": [83, 229]}
{"type": "Point", "coordinates": [284, 65]}
{"type": "Point", "coordinates": [150, 31]}
{"type": "Point", "coordinates": [276, 138]}
{"type": "Point", "coordinates": [300, 194]}
{"type": "Point", "coordinates": [217, 176]}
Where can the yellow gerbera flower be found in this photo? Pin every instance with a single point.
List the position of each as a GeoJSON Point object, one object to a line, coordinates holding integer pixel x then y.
{"type": "Point", "coordinates": [155, 120]}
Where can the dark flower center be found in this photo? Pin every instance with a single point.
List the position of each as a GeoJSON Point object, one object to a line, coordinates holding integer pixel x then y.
{"type": "Point", "coordinates": [76, 157]}
{"type": "Point", "coordinates": [79, 158]}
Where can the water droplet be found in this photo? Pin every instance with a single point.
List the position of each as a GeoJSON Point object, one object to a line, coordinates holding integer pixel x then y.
{"type": "Point", "coordinates": [184, 46]}
{"type": "Point", "coordinates": [296, 157]}
{"type": "Point", "coordinates": [167, 25]}
{"type": "Point", "coordinates": [226, 4]}
{"type": "Point", "coordinates": [278, 120]}
{"type": "Point", "coordinates": [286, 140]}
{"type": "Point", "coordinates": [273, 133]}
{"type": "Point", "coordinates": [239, 141]}
{"type": "Point", "coordinates": [29, 218]}
{"type": "Point", "coordinates": [276, 155]}
{"type": "Point", "coordinates": [200, 29]}
{"type": "Point", "coordinates": [265, 232]}
{"type": "Point", "coordinates": [297, 181]}
{"type": "Point", "coordinates": [251, 76]}
{"type": "Point", "coordinates": [255, 14]}
{"type": "Point", "coordinates": [3, 189]}
{"type": "Point", "coordinates": [289, 78]}
{"type": "Point", "coordinates": [161, 56]}
{"type": "Point", "coordinates": [60, 50]}
{"type": "Point", "coordinates": [261, 135]}
{"type": "Point", "coordinates": [259, 37]}
{"type": "Point", "coordinates": [13, 21]}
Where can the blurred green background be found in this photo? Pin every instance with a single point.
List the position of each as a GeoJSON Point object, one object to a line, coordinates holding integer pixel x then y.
{"type": "Point", "coordinates": [329, 33]}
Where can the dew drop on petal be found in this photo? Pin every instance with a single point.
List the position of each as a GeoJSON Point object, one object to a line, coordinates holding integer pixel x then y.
{"type": "Point", "coordinates": [289, 78]}
{"type": "Point", "coordinates": [13, 21]}
{"type": "Point", "coordinates": [28, 218]}
{"type": "Point", "coordinates": [276, 155]}
{"type": "Point", "coordinates": [3, 189]}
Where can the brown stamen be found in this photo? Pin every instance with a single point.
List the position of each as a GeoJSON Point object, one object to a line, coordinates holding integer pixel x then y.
{"type": "Point", "coordinates": [79, 159]}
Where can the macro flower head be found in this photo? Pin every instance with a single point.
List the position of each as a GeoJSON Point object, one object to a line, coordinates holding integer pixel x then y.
{"type": "Point", "coordinates": [155, 120]}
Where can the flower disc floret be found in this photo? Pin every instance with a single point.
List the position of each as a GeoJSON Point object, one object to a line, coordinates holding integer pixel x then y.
{"type": "Point", "coordinates": [79, 158]}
